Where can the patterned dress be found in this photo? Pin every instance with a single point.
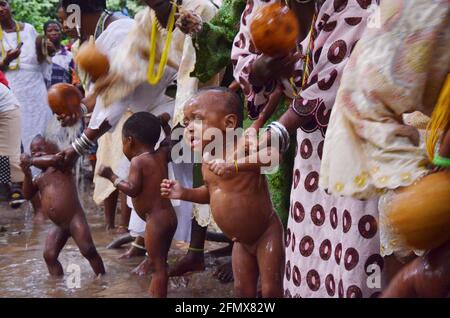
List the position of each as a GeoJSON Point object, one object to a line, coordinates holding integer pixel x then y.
{"type": "Point", "coordinates": [332, 244]}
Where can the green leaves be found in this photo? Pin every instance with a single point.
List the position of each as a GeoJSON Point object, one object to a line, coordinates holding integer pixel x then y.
{"type": "Point", "coordinates": [35, 12]}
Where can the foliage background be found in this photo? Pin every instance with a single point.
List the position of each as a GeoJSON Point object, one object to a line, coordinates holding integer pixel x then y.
{"type": "Point", "coordinates": [37, 12]}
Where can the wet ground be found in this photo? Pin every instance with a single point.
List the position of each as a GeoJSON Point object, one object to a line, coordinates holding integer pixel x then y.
{"type": "Point", "coordinates": [23, 272]}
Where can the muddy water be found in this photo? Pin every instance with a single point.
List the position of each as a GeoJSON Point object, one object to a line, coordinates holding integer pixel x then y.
{"type": "Point", "coordinates": [23, 272]}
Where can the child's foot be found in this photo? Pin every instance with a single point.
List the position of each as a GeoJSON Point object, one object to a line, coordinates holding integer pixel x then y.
{"type": "Point", "coordinates": [16, 198]}
{"type": "Point", "coordinates": [121, 230]}
{"type": "Point", "coordinates": [192, 262]}
{"type": "Point", "coordinates": [144, 268]}
{"type": "Point", "coordinates": [224, 273]}
{"type": "Point", "coordinates": [133, 252]}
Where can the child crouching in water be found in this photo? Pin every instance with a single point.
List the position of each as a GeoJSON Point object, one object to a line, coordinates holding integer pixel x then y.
{"type": "Point", "coordinates": [238, 195]}
{"type": "Point", "coordinates": [60, 203]}
{"type": "Point", "coordinates": [140, 135]}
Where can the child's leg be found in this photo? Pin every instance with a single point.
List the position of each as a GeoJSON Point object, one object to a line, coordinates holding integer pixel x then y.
{"type": "Point", "coordinates": [110, 209]}
{"type": "Point", "coordinates": [79, 229]}
{"type": "Point", "coordinates": [426, 276]}
{"type": "Point", "coordinates": [245, 271]}
{"type": "Point", "coordinates": [194, 260]}
{"type": "Point", "coordinates": [159, 233]}
{"type": "Point", "coordinates": [56, 239]}
{"type": "Point", "coordinates": [125, 213]}
{"type": "Point", "coordinates": [270, 255]}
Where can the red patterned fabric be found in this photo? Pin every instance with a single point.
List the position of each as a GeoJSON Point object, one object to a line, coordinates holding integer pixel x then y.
{"type": "Point", "coordinates": [3, 79]}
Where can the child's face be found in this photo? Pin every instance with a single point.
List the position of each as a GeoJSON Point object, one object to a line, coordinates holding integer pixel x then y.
{"type": "Point", "coordinates": [53, 33]}
{"type": "Point", "coordinates": [199, 117]}
{"type": "Point", "coordinates": [127, 146]}
{"type": "Point", "coordinates": [40, 147]}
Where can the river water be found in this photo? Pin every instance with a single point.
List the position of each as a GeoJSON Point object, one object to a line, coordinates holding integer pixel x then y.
{"type": "Point", "coordinates": [23, 272]}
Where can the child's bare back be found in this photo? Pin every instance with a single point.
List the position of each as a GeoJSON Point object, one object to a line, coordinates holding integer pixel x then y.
{"type": "Point", "coordinates": [148, 168]}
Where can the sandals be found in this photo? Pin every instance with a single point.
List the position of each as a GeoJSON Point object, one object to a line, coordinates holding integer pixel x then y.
{"type": "Point", "coordinates": [16, 198]}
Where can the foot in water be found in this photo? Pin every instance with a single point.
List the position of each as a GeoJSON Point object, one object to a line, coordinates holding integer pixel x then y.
{"type": "Point", "coordinates": [144, 268]}
{"type": "Point", "coordinates": [224, 273]}
{"type": "Point", "coordinates": [132, 252]}
{"type": "Point", "coordinates": [191, 262]}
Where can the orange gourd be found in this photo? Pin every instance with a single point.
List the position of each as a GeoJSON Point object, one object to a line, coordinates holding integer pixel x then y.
{"type": "Point", "coordinates": [420, 213]}
{"type": "Point", "coordinates": [274, 30]}
{"type": "Point", "coordinates": [64, 99]}
{"type": "Point", "coordinates": [91, 60]}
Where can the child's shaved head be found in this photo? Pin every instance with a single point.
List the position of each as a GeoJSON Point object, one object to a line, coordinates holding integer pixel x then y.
{"type": "Point", "coordinates": [225, 98]}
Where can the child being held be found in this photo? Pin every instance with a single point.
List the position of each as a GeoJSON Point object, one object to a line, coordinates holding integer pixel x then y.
{"type": "Point", "coordinates": [140, 135]}
{"type": "Point", "coordinates": [60, 203]}
{"type": "Point", "coordinates": [238, 195]}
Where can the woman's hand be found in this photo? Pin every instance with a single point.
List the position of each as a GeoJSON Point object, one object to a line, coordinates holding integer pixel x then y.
{"type": "Point", "coordinates": [69, 120]}
{"type": "Point", "coordinates": [68, 157]}
{"type": "Point", "coordinates": [265, 68]}
{"type": "Point", "coordinates": [11, 55]}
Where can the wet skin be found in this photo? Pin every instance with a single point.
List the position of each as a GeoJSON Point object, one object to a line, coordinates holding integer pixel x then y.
{"type": "Point", "coordinates": [60, 203]}
{"type": "Point", "coordinates": [240, 203]}
{"type": "Point", "coordinates": [148, 168]}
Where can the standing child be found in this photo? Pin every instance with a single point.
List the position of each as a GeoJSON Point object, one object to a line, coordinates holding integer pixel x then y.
{"type": "Point", "coordinates": [148, 168]}
{"type": "Point", "coordinates": [238, 194]}
{"type": "Point", "coordinates": [60, 203]}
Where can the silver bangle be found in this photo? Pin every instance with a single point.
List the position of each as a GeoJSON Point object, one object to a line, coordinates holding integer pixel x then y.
{"type": "Point", "coordinates": [85, 138]}
{"type": "Point", "coordinates": [84, 109]}
{"type": "Point", "coordinates": [77, 149]}
{"type": "Point", "coordinates": [282, 133]}
{"type": "Point", "coordinates": [117, 181]}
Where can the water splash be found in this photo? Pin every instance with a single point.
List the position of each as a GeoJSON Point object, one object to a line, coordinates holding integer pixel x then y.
{"type": "Point", "coordinates": [63, 138]}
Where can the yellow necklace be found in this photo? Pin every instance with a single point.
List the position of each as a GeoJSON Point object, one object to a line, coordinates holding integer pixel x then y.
{"type": "Point", "coordinates": [15, 67]}
{"type": "Point", "coordinates": [153, 78]}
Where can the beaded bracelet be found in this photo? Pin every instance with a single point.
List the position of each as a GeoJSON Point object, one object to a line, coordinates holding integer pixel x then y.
{"type": "Point", "coordinates": [441, 161]}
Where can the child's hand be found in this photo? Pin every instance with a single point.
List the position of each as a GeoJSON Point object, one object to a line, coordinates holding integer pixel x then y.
{"type": "Point", "coordinates": [171, 189]}
{"type": "Point", "coordinates": [25, 162]}
{"type": "Point", "coordinates": [222, 168]}
{"type": "Point", "coordinates": [105, 172]}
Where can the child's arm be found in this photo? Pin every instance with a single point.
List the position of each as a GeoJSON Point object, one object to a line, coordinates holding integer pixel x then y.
{"type": "Point", "coordinates": [132, 187]}
{"type": "Point", "coordinates": [268, 157]}
{"type": "Point", "coordinates": [171, 189]}
{"type": "Point", "coordinates": [47, 161]}
{"type": "Point", "coordinates": [29, 188]}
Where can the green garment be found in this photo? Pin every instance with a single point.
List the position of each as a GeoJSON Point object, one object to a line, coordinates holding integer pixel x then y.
{"type": "Point", "coordinates": [213, 44]}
